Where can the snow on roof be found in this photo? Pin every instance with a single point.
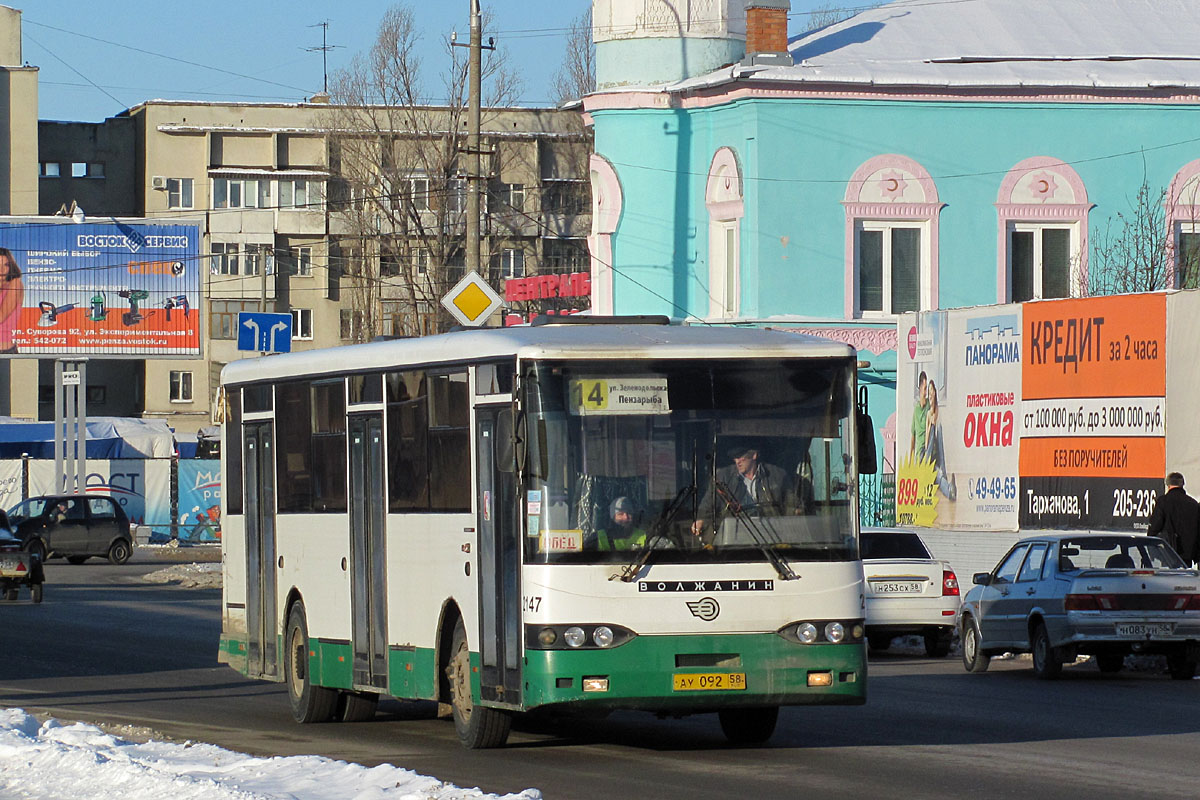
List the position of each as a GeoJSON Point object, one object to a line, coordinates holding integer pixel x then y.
{"type": "Point", "coordinates": [1075, 44]}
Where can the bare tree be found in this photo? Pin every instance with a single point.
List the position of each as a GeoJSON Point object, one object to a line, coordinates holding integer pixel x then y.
{"type": "Point", "coordinates": [832, 13]}
{"type": "Point", "coordinates": [398, 183]}
{"type": "Point", "coordinates": [1134, 252]}
{"type": "Point", "coordinates": [577, 75]}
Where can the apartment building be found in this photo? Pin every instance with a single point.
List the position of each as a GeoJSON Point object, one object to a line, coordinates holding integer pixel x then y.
{"type": "Point", "coordinates": [284, 230]}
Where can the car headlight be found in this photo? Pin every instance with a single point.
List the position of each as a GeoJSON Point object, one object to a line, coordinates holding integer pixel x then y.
{"type": "Point", "coordinates": [807, 632]}
{"type": "Point", "coordinates": [574, 636]}
{"type": "Point", "coordinates": [602, 636]}
{"type": "Point", "coordinates": [835, 632]}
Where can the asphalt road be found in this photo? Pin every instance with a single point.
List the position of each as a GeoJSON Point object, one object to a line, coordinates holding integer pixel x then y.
{"type": "Point", "coordinates": [107, 647]}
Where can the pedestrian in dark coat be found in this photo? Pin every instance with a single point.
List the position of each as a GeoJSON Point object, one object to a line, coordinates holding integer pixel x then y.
{"type": "Point", "coordinates": [1176, 518]}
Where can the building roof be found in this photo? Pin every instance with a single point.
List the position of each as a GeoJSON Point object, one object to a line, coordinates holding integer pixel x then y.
{"type": "Point", "coordinates": [1122, 45]}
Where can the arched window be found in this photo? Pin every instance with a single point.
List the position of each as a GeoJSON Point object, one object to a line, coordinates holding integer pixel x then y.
{"type": "Point", "coordinates": [723, 198]}
{"type": "Point", "coordinates": [1042, 248]}
{"type": "Point", "coordinates": [1183, 228]}
{"type": "Point", "coordinates": [892, 212]}
{"type": "Point", "coordinates": [606, 213]}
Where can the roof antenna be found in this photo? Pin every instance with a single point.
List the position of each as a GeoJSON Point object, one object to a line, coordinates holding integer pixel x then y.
{"type": "Point", "coordinates": [324, 51]}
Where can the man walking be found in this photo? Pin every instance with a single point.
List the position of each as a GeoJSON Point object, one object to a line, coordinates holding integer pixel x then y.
{"type": "Point", "coordinates": [1176, 518]}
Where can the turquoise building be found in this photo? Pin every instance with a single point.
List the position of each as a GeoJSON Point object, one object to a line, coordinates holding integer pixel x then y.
{"type": "Point", "coordinates": [917, 156]}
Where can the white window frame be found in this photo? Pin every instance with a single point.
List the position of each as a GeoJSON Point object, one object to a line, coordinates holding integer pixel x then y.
{"type": "Point", "coordinates": [181, 386]}
{"type": "Point", "coordinates": [512, 263]}
{"type": "Point", "coordinates": [1074, 277]}
{"type": "Point", "coordinates": [420, 258]}
{"type": "Point", "coordinates": [513, 195]}
{"type": "Point", "coordinates": [1041, 191]}
{"type": "Point", "coordinates": [180, 193]}
{"type": "Point", "coordinates": [886, 226]}
{"type": "Point", "coordinates": [1182, 229]}
{"type": "Point", "coordinates": [1183, 217]}
{"type": "Point", "coordinates": [302, 325]}
{"type": "Point", "coordinates": [302, 257]}
{"type": "Point", "coordinates": [726, 207]}
{"type": "Point", "coordinates": [416, 191]}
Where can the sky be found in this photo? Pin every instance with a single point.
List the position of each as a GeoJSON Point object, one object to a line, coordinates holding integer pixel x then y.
{"type": "Point", "coordinates": [98, 58]}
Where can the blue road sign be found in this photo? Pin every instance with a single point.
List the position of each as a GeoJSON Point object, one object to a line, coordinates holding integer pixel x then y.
{"type": "Point", "coordinates": [264, 333]}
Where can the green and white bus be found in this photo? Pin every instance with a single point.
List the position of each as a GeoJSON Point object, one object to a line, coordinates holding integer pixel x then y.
{"type": "Point", "coordinates": [430, 519]}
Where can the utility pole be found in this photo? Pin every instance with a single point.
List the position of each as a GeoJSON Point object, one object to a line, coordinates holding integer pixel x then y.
{"type": "Point", "coordinates": [474, 80]}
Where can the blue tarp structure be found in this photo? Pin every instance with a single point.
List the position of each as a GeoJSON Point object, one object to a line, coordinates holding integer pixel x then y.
{"type": "Point", "coordinates": [107, 437]}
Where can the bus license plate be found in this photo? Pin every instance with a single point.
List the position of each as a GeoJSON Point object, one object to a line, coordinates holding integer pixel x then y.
{"type": "Point", "coordinates": [709, 681]}
{"type": "Point", "coordinates": [1145, 628]}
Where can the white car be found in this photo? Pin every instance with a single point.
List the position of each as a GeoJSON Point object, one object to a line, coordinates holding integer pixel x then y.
{"type": "Point", "coordinates": [909, 592]}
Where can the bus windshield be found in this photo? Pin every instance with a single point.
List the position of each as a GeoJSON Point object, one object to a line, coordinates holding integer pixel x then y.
{"type": "Point", "coordinates": [725, 461]}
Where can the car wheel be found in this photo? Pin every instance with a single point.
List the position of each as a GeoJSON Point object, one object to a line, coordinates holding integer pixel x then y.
{"type": "Point", "coordinates": [119, 552]}
{"type": "Point", "coordinates": [879, 641]}
{"type": "Point", "coordinates": [1110, 662]}
{"type": "Point", "coordinates": [748, 725]}
{"type": "Point", "coordinates": [35, 592]}
{"type": "Point", "coordinates": [310, 703]}
{"type": "Point", "coordinates": [36, 548]}
{"type": "Point", "coordinates": [357, 706]}
{"type": "Point", "coordinates": [1046, 664]}
{"type": "Point", "coordinates": [76, 559]}
{"type": "Point", "coordinates": [937, 643]}
{"type": "Point", "coordinates": [477, 727]}
{"type": "Point", "coordinates": [10, 594]}
{"type": "Point", "coordinates": [1181, 667]}
{"type": "Point", "coordinates": [973, 657]}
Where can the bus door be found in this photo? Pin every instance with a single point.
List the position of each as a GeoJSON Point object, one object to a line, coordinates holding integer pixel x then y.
{"type": "Point", "coordinates": [368, 573]}
{"type": "Point", "coordinates": [499, 558]}
{"type": "Point", "coordinates": [261, 624]}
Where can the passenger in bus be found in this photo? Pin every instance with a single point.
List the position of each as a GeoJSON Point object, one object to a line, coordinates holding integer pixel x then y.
{"type": "Point", "coordinates": [753, 486]}
{"type": "Point", "coordinates": [622, 533]}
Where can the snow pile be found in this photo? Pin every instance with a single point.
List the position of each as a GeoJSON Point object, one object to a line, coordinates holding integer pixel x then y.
{"type": "Point", "coordinates": [57, 760]}
{"type": "Point", "coordinates": [203, 576]}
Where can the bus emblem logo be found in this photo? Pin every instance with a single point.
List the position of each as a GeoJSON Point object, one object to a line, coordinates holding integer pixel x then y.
{"type": "Point", "coordinates": [705, 608]}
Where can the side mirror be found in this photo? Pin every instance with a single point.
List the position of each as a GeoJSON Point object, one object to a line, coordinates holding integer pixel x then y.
{"type": "Point", "coordinates": [982, 578]}
{"type": "Point", "coordinates": [868, 462]}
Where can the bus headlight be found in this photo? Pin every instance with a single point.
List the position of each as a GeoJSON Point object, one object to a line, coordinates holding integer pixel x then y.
{"type": "Point", "coordinates": [602, 636]}
{"type": "Point", "coordinates": [834, 632]}
{"type": "Point", "coordinates": [571, 636]}
{"type": "Point", "coordinates": [574, 636]}
{"type": "Point", "coordinates": [547, 637]}
{"type": "Point", "coordinates": [807, 632]}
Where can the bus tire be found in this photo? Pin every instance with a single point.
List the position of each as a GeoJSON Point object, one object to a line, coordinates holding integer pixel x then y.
{"type": "Point", "coordinates": [748, 725]}
{"type": "Point", "coordinates": [357, 706]}
{"type": "Point", "coordinates": [477, 727]}
{"type": "Point", "coordinates": [310, 703]}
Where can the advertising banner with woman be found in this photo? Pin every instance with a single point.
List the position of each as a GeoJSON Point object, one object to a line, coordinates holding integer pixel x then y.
{"type": "Point", "coordinates": [114, 288]}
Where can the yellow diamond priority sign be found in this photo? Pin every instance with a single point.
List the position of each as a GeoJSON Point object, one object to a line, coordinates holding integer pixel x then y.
{"type": "Point", "coordinates": [472, 301]}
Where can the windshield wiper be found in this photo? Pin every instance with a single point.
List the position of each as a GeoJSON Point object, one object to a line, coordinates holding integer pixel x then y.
{"type": "Point", "coordinates": [658, 532]}
{"type": "Point", "coordinates": [763, 539]}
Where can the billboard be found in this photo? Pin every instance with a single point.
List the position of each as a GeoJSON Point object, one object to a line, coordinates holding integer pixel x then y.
{"type": "Point", "coordinates": [1093, 446]}
{"type": "Point", "coordinates": [99, 289]}
{"type": "Point", "coordinates": [1049, 414]}
{"type": "Point", "coordinates": [958, 438]}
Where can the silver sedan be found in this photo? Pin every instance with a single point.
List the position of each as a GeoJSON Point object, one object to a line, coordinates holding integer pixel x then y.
{"type": "Point", "coordinates": [1062, 595]}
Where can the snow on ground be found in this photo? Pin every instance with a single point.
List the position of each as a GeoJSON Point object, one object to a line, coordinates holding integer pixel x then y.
{"type": "Point", "coordinates": [52, 759]}
{"type": "Point", "coordinates": [198, 575]}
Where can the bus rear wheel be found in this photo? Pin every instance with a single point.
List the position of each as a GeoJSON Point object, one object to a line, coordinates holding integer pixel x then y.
{"type": "Point", "coordinates": [310, 703]}
{"type": "Point", "coordinates": [748, 725]}
{"type": "Point", "coordinates": [357, 706]}
{"type": "Point", "coordinates": [477, 727]}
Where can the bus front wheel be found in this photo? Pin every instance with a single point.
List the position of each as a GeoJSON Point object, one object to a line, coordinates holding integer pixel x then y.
{"type": "Point", "coordinates": [310, 703]}
{"type": "Point", "coordinates": [748, 725]}
{"type": "Point", "coordinates": [477, 726]}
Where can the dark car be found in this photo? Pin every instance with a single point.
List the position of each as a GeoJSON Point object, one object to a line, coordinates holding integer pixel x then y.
{"type": "Point", "coordinates": [74, 526]}
{"type": "Point", "coordinates": [17, 567]}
